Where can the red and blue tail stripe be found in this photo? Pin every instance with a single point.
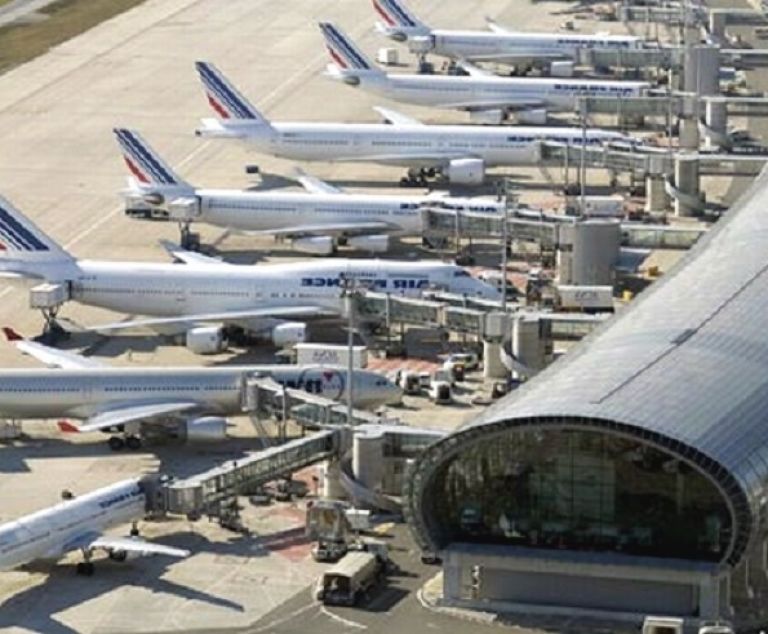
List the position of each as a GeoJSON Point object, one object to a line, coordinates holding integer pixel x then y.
{"type": "Point", "coordinates": [144, 165]}
{"type": "Point", "coordinates": [16, 236]}
{"type": "Point", "coordinates": [343, 52]}
{"type": "Point", "coordinates": [225, 100]}
{"type": "Point", "coordinates": [393, 14]}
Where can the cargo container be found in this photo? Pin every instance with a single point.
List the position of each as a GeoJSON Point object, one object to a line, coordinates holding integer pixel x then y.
{"type": "Point", "coordinates": [330, 354]}
{"type": "Point", "coordinates": [588, 299]}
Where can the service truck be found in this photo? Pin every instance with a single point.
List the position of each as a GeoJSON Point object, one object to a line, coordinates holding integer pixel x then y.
{"type": "Point", "coordinates": [350, 579]}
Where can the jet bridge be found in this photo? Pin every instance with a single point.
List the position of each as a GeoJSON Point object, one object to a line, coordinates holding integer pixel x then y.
{"type": "Point", "coordinates": [214, 492]}
{"type": "Point", "coordinates": [458, 313]}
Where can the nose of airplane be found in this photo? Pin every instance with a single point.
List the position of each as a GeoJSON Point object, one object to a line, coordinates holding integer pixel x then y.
{"type": "Point", "coordinates": [486, 291]}
{"type": "Point", "coordinates": [393, 394]}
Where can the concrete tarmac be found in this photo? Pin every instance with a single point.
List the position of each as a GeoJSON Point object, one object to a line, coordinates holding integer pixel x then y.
{"type": "Point", "coordinates": [60, 164]}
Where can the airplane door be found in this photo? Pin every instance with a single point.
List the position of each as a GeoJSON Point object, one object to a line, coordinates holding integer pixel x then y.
{"type": "Point", "coordinates": [179, 293]}
{"type": "Point", "coordinates": [87, 390]}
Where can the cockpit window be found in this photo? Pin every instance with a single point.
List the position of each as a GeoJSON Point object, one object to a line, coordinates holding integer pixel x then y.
{"type": "Point", "coordinates": [461, 273]}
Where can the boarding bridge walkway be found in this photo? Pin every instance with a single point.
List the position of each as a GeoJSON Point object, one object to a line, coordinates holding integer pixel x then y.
{"type": "Point", "coordinates": [643, 162]}
{"type": "Point", "coordinates": [214, 492]}
{"type": "Point", "coordinates": [465, 315]}
{"type": "Point", "coordinates": [543, 228]}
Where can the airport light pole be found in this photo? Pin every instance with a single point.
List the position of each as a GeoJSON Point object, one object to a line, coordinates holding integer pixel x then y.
{"type": "Point", "coordinates": [583, 166]}
{"type": "Point", "coordinates": [349, 302]}
{"type": "Point", "coordinates": [509, 198]}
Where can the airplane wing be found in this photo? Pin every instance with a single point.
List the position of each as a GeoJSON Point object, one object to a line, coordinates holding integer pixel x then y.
{"type": "Point", "coordinates": [93, 541]}
{"type": "Point", "coordinates": [225, 317]}
{"type": "Point", "coordinates": [422, 159]}
{"type": "Point", "coordinates": [326, 229]}
{"type": "Point", "coordinates": [314, 185]}
{"type": "Point", "coordinates": [51, 357]}
{"type": "Point", "coordinates": [506, 104]}
{"type": "Point", "coordinates": [495, 27]}
{"type": "Point", "coordinates": [134, 412]}
{"type": "Point", "coordinates": [137, 546]}
{"type": "Point", "coordinates": [521, 56]}
{"type": "Point", "coordinates": [396, 118]}
{"type": "Point", "coordinates": [188, 257]}
{"type": "Point", "coordinates": [474, 71]}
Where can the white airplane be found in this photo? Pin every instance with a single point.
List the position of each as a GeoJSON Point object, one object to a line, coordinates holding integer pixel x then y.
{"type": "Point", "coordinates": [180, 402]}
{"type": "Point", "coordinates": [205, 298]}
{"type": "Point", "coordinates": [497, 45]}
{"type": "Point", "coordinates": [79, 524]}
{"type": "Point", "coordinates": [487, 97]}
{"type": "Point", "coordinates": [316, 221]}
{"type": "Point", "coordinates": [461, 153]}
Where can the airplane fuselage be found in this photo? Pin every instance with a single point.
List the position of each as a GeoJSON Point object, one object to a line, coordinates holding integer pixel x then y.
{"type": "Point", "coordinates": [412, 145]}
{"type": "Point", "coordinates": [482, 46]}
{"type": "Point", "coordinates": [477, 93]}
{"type": "Point", "coordinates": [167, 290]}
{"type": "Point", "coordinates": [50, 533]}
{"type": "Point", "coordinates": [257, 211]}
{"type": "Point", "coordinates": [47, 393]}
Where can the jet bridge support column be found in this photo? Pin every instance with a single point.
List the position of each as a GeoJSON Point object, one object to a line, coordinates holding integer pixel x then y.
{"type": "Point", "coordinates": [332, 486]}
{"type": "Point", "coordinates": [655, 193]}
{"type": "Point", "coordinates": [688, 200]}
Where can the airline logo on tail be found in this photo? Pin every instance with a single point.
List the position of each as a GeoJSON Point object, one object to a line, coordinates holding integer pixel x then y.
{"type": "Point", "coordinates": [393, 14]}
{"type": "Point", "coordinates": [16, 237]}
{"type": "Point", "coordinates": [142, 163]}
{"type": "Point", "coordinates": [342, 51]}
{"type": "Point", "coordinates": [224, 99]}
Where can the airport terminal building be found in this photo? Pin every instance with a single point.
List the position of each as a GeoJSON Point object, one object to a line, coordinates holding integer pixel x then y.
{"type": "Point", "coordinates": [631, 477]}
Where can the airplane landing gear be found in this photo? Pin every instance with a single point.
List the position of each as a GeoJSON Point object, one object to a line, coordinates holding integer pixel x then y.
{"type": "Point", "coordinates": [85, 569]}
{"type": "Point", "coordinates": [133, 443]}
{"type": "Point", "coordinates": [53, 331]}
{"type": "Point", "coordinates": [188, 240]}
{"type": "Point", "coordinates": [134, 530]}
{"type": "Point", "coordinates": [417, 177]}
{"type": "Point", "coordinates": [116, 443]}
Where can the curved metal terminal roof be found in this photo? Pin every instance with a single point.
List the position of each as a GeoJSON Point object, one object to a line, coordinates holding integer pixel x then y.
{"type": "Point", "coordinates": [684, 367]}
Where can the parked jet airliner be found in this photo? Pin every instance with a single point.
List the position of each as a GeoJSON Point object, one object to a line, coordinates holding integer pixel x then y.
{"type": "Point", "coordinates": [316, 220]}
{"type": "Point", "coordinates": [487, 97]}
{"type": "Point", "coordinates": [78, 524]}
{"type": "Point", "coordinates": [497, 45]}
{"type": "Point", "coordinates": [179, 401]}
{"type": "Point", "coordinates": [460, 153]}
{"type": "Point", "coordinates": [205, 296]}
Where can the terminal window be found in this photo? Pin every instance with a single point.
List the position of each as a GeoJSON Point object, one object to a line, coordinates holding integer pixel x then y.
{"type": "Point", "coordinates": [580, 490]}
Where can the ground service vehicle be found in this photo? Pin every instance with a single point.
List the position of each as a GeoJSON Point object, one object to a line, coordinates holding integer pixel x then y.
{"type": "Point", "coordinates": [351, 578]}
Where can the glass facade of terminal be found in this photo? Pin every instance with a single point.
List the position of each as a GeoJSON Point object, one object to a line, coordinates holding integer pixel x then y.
{"type": "Point", "coordinates": [579, 490]}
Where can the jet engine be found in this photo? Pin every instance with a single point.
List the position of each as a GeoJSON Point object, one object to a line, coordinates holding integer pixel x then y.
{"type": "Point", "coordinates": [206, 340]}
{"type": "Point", "coordinates": [373, 244]}
{"type": "Point", "coordinates": [532, 116]}
{"type": "Point", "coordinates": [205, 428]}
{"type": "Point", "coordinates": [123, 555]}
{"type": "Point", "coordinates": [289, 333]}
{"type": "Point", "coordinates": [494, 116]}
{"type": "Point", "coordinates": [420, 44]}
{"type": "Point", "coordinates": [465, 171]}
{"type": "Point", "coordinates": [316, 245]}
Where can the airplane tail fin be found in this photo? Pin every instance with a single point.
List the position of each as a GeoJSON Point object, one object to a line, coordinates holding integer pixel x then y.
{"type": "Point", "coordinates": [11, 335]}
{"type": "Point", "coordinates": [22, 242]}
{"type": "Point", "coordinates": [398, 18]}
{"type": "Point", "coordinates": [144, 164]}
{"type": "Point", "coordinates": [226, 101]}
{"type": "Point", "coordinates": [344, 53]}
